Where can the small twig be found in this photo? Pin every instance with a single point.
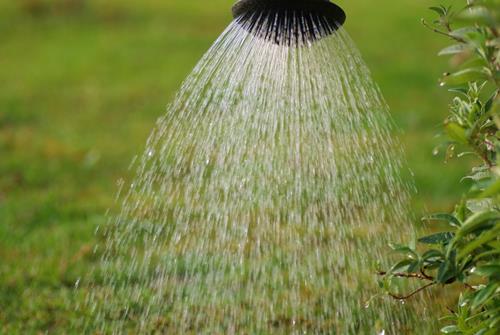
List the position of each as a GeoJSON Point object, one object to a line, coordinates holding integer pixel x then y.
{"type": "Point", "coordinates": [405, 297]}
{"type": "Point", "coordinates": [426, 275]}
{"type": "Point", "coordinates": [458, 39]}
{"type": "Point", "coordinates": [421, 276]}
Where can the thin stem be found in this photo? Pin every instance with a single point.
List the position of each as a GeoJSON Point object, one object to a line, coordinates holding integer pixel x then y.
{"type": "Point", "coordinates": [426, 275]}
{"type": "Point", "coordinates": [484, 157]}
{"type": "Point", "coordinates": [405, 297]}
{"type": "Point", "coordinates": [421, 276]}
{"type": "Point", "coordinates": [458, 39]}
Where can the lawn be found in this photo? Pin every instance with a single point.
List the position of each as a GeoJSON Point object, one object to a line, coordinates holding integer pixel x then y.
{"type": "Point", "coordinates": [81, 89]}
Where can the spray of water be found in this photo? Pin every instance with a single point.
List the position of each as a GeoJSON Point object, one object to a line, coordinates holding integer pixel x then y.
{"type": "Point", "coordinates": [264, 199]}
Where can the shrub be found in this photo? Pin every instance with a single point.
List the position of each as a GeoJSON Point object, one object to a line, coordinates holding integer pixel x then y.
{"type": "Point", "coordinates": [468, 252]}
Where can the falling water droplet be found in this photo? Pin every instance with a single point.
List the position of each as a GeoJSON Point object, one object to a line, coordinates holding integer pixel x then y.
{"type": "Point", "coordinates": [302, 195]}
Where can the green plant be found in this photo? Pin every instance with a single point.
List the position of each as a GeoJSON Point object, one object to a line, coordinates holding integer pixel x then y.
{"type": "Point", "coordinates": [468, 251]}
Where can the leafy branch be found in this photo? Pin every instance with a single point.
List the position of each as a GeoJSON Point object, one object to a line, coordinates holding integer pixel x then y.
{"type": "Point", "coordinates": [468, 252]}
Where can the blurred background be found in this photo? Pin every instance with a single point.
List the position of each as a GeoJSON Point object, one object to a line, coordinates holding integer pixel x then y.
{"type": "Point", "coordinates": [81, 85]}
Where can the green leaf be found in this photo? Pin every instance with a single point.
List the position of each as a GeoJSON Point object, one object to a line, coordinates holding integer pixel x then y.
{"type": "Point", "coordinates": [477, 221]}
{"type": "Point", "coordinates": [454, 49]}
{"type": "Point", "coordinates": [492, 270]}
{"type": "Point", "coordinates": [447, 270]}
{"type": "Point", "coordinates": [489, 104]}
{"type": "Point", "coordinates": [440, 10]}
{"type": "Point", "coordinates": [480, 205]}
{"type": "Point", "coordinates": [413, 267]}
{"type": "Point", "coordinates": [403, 249]}
{"type": "Point", "coordinates": [479, 15]}
{"type": "Point", "coordinates": [480, 241]}
{"type": "Point", "coordinates": [432, 259]}
{"type": "Point", "coordinates": [456, 132]}
{"type": "Point", "coordinates": [439, 238]}
{"type": "Point", "coordinates": [401, 266]}
{"type": "Point", "coordinates": [489, 254]}
{"type": "Point", "coordinates": [429, 254]}
{"type": "Point", "coordinates": [477, 176]}
{"type": "Point", "coordinates": [461, 210]}
{"type": "Point", "coordinates": [483, 295]}
{"type": "Point", "coordinates": [460, 90]}
{"type": "Point", "coordinates": [465, 76]}
{"type": "Point", "coordinates": [451, 219]}
{"type": "Point", "coordinates": [492, 190]}
{"type": "Point", "coordinates": [463, 32]}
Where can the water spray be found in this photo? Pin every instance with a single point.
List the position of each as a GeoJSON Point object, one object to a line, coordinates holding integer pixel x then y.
{"type": "Point", "coordinates": [265, 196]}
{"type": "Point", "coordinates": [289, 22]}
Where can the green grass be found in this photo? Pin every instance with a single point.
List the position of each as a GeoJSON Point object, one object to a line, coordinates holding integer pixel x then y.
{"type": "Point", "coordinates": [81, 90]}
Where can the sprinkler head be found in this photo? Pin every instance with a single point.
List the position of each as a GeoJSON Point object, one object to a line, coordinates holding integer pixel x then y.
{"type": "Point", "coordinates": [289, 22]}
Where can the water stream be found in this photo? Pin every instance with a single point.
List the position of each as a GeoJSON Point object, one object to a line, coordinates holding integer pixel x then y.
{"type": "Point", "coordinates": [263, 201]}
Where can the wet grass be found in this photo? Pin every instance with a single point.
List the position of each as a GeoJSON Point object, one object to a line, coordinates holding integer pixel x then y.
{"type": "Point", "coordinates": [81, 87]}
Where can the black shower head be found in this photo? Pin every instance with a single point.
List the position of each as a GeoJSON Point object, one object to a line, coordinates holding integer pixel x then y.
{"type": "Point", "coordinates": [289, 22]}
